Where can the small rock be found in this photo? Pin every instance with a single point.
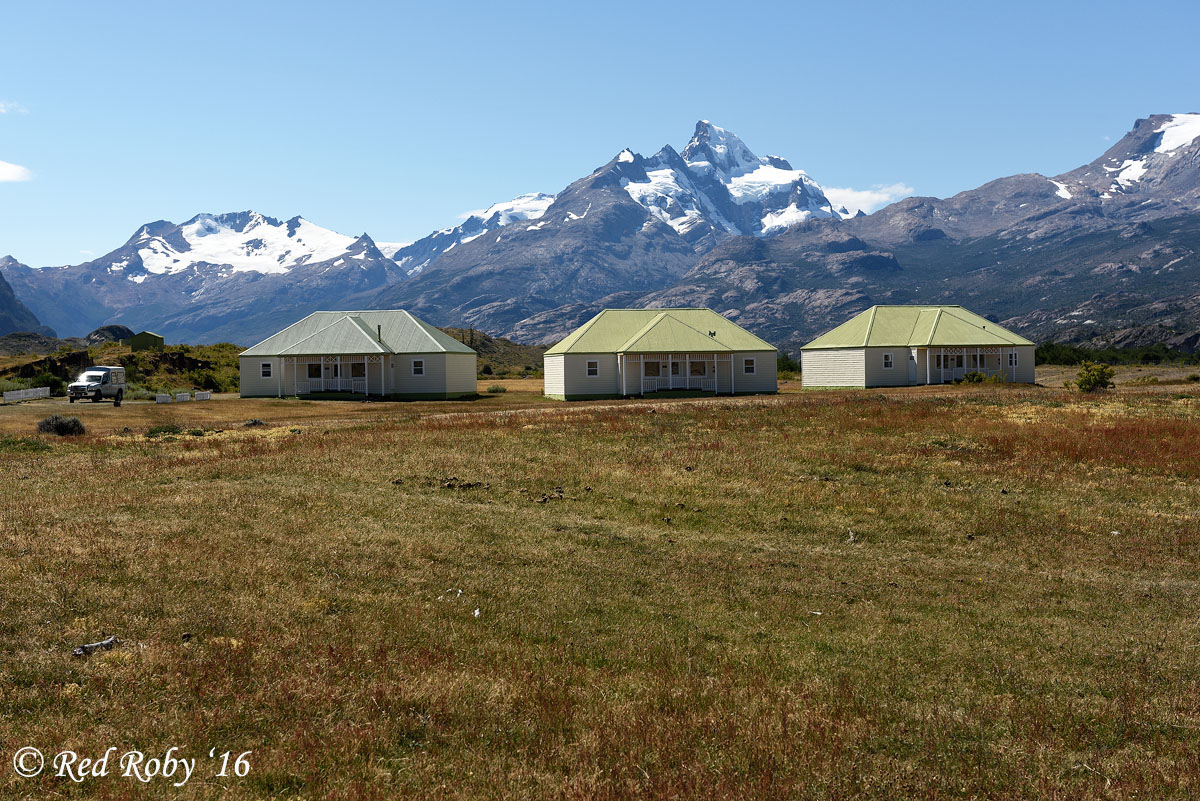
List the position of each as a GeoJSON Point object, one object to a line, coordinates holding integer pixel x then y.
{"type": "Point", "coordinates": [666, 520]}
{"type": "Point", "coordinates": [186, 636]}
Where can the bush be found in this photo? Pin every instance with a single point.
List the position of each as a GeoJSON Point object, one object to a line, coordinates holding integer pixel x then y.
{"type": "Point", "coordinates": [497, 388]}
{"type": "Point", "coordinates": [165, 428]}
{"type": "Point", "coordinates": [62, 426]}
{"type": "Point", "coordinates": [45, 379]}
{"type": "Point", "coordinates": [1193, 377]}
{"type": "Point", "coordinates": [487, 370]}
{"type": "Point", "coordinates": [976, 377]}
{"type": "Point", "coordinates": [1094, 377]}
{"type": "Point", "coordinates": [1143, 380]}
{"type": "Point", "coordinates": [253, 423]}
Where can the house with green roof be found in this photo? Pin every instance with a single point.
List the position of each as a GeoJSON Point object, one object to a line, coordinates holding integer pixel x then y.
{"type": "Point", "coordinates": [387, 353]}
{"type": "Point", "coordinates": [896, 346]}
{"type": "Point", "coordinates": [623, 352]}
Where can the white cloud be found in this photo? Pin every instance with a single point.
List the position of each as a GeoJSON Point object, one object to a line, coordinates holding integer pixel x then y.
{"type": "Point", "coordinates": [866, 200]}
{"type": "Point", "coordinates": [12, 108]}
{"type": "Point", "coordinates": [13, 172]}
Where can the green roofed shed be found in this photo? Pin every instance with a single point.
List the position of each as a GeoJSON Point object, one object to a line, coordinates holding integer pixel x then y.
{"type": "Point", "coordinates": [908, 345]}
{"type": "Point", "coordinates": [635, 351]}
{"type": "Point", "coordinates": [375, 352]}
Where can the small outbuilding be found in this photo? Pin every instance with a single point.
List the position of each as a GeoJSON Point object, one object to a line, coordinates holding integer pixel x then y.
{"type": "Point", "coordinates": [144, 340]}
{"type": "Point", "coordinates": [638, 351]}
{"type": "Point", "coordinates": [387, 353]}
{"type": "Point", "coordinates": [895, 346]}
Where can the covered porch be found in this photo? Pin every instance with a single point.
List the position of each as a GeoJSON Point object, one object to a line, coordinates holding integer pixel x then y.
{"type": "Point", "coordinates": [944, 365]}
{"type": "Point", "coordinates": [354, 373]}
{"type": "Point", "coordinates": [657, 372]}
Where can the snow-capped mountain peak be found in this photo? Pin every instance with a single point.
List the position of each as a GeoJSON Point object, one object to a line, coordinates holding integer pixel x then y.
{"type": "Point", "coordinates": [416, 256]}
{"type": "Point", "coordinates": [244, 241]}
{"type": "Point", "coordinates": [714, 149]}
{"type": "Point", "coordinates": [718, 187]}
{"type": "Point", "coordinates": [523, 207]}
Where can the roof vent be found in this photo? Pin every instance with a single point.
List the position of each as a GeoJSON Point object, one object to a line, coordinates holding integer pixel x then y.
{"type": "Point", "coordinates": [712, 333]}
{"type": "Point", "coordinates": [379, 332]}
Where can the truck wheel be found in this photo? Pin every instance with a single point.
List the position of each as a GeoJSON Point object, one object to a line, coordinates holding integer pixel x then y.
{"type": "Point", "coordinates": [71, 398]}
{"type": "Point", "coordinates": [96, 397]}
{"type": "Point", "coordinates": [117, 400]}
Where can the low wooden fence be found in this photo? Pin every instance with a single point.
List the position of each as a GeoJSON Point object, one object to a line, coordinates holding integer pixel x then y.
{"type": "Point", "coordinates": [14, 395]}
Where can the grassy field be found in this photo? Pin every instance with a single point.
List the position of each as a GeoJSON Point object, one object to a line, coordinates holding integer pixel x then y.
{"type": "Point", "coordinates": [966, 592]}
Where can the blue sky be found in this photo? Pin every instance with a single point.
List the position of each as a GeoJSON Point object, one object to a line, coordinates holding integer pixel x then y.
{"type": "Point", "coordinates": [395, 119]}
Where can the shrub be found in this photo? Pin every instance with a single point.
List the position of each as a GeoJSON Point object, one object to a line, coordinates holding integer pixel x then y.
{"type": "Point", "coordinates": [165, 428]}
{"type": "Point", "coordinates": [497, 388]}
{"type": "Point", "coordinates": [253, 423]}
{"type": "Point", "coordinates": [46, 379]}
{"type": "Point", "coordinates": [1142, 380]}
{"type": "Point", "coordinates": [487, 370]}
{"type": "Point", "coordinates": [62, 426]}
{"type": "Point", "coordinates": [1094, 377]}
{"type": "Point", "coordinates": [1193, 377]}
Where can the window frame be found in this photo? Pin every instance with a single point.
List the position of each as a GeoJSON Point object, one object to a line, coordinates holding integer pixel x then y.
{"type": "Point", "coordinates": [266, 370]}
{"type": "Point", "coordinates": [1012, 358]}
{"type": "Point", "coordinates": [418, 367]}
{"type": "Point", "coordinates": [319, 371]}
{"type": "Point", "coordinates": [751, 363]}
{"type": "Point", "coordinates": [889, 362]}
{"type": "Point", "coordinates": [591, 368]}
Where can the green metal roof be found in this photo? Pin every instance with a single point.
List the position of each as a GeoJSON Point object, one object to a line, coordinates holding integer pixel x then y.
{"type": "Point", "coordinates": [916, 326]}
{"type": "Point", "coordinates": [328, 333]}
{"type": "Point", "coordinates": [659, 331]}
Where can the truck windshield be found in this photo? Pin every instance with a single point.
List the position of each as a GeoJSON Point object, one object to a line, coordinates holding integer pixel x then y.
{"type": "Point", "coordinates": [91, 378]}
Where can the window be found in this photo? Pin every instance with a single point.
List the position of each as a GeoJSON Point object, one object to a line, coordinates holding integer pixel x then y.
{"type": "Point", "coordinates": [653, 369]}
{"type": "Point", "coordinates": [418, 367]}
{"type": "Point", "coordinates": [674, 368]}
{"type": "Point", "coordinates": [358, 370]}
{"type": "Point", "coordinates": [266, 369]}
{"type": "Point", "coordinates": [314, 371]}
{"type": "Point", "coordinates": [698, 369]}
{"type": "Point", "coordinates": [593, 368]}
{"type": "Point", "coordinates": [748, 366]}
{"type": "Point", "coordinates": [1012, 359]}
{"type": "Point", "coordinates": [887, 361]}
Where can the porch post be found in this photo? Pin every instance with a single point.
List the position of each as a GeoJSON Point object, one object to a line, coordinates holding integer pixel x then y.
{"type": "Point", "coordinates": [687, 375]}
{"type": "Point", "coordinates": [732, 380]}
{"type": "Point", "coordinates": [642, 371]}
{"type": "Point", "coordinates": [295, 380]}
{"type": "Point", "coordinates": [942, 377]}
{"type": "Point", "coordinates": [928, 368]}
{"type": "Point", "coordinates": [279, 380]}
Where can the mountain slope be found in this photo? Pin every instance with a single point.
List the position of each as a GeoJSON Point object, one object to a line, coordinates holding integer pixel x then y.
{"type": "Point", "coordinates": [214, 277]}
{"type": "Point", "coordinates": [15, 315]}
{"type": "Point", "coordinates": [634, 225]}
{"type": "Point", "coordinates": [1080, 257]}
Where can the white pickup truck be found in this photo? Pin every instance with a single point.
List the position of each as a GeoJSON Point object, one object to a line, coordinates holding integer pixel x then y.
{"type": "Point", "coordinates": [99, 383]}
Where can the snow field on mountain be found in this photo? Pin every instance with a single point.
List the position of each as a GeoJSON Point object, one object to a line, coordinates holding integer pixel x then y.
{"type": "Point", "coordinates": [262, 247]}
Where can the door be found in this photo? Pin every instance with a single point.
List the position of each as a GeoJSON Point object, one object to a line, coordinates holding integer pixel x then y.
{"type": "Point", "coordinates": [912, 365]}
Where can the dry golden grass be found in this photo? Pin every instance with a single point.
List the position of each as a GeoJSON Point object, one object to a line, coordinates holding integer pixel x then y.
{"type": "Point", "coordinates": [949, 593]}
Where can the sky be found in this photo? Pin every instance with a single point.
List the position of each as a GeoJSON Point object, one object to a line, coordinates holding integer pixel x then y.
{"type": "Point", "coordinates": [395, 119]}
